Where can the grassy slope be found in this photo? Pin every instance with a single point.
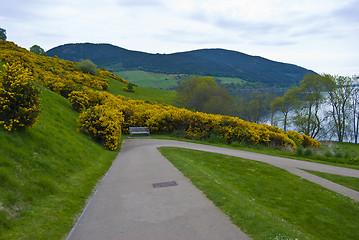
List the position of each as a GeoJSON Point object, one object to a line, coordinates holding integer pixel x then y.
{"type": "Point", "coordinates": [231, 80]}
{"type": "Point", "coordinates": [163, 81]}
{"type": "Point", "coordinates": [349, 182]}
{"type": "Point", "coordinates": [154, 95]}
{"type": "Point", "coordinates": [265, 201]}
{"type": "Point", "coordinates": [43, 168]}
{"type": "Point", "coordinates": [144, 79]}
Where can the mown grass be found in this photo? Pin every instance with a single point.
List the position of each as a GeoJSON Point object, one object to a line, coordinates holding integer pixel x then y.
{"type": "Point", "coordinates": [352, 162]}
{"type": "Point", "coordinates": [47, 173]}
{"type": "Point", "coordinates": [267, 202]}
{"type": "Point", "coordinates": [147, 80]}
{"type": "Point", "coordinates": [153, 95]}
{"type": "Point", "coordinates": [349, 182]}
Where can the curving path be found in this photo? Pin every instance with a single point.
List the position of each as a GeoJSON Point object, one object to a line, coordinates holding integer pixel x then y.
{"type": "Point", "coordinates": [126, 206]}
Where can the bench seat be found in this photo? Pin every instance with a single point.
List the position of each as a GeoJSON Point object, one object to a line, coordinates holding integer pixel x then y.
{"type": "Point", "coordinates": [139, 130]}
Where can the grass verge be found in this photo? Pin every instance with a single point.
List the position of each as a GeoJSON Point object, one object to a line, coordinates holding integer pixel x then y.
{"type": "Point", "coordinates": [340, 162]}
{"type": "Point", "coordinates": [349, 182]}
{"type": "Point", "coordinates": [267, 202]}
{"type": "Point", "coordinates": [47, 173]}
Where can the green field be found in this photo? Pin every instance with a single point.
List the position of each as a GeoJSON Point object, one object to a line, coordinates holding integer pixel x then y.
{"type": "Point", "coordinates": [149, 80]}
{"type": "Point", "coordinates": [166, 81]}
{"type": "Point", "coordinates": [267, 202]}
{"type": "Point", "coordinates": [226, 80]}
{"type": "Point", "coordinates": [153, 95]}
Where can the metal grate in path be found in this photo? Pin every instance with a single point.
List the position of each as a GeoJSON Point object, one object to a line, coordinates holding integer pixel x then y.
{"type": "Point", "coordinates": [164, 184]}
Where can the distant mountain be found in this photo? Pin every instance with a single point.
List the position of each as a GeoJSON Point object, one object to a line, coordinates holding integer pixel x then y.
{"type": "Point", "coordinates": [210, 62]}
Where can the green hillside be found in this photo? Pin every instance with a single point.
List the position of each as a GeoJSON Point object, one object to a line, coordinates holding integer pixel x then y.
{"type": "Point", "coordinates": [150, 80]}
{"type": "Point", "coordinates": [204, 62]}
{"type": "Point", "coordinates": [235, 86]}
{"type": "Point", "coordinates": [42, 168]}
{"type": "Point", "coordinates": [142, 93]}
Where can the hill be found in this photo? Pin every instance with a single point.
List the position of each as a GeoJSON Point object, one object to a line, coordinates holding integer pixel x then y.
{"type": "Point", "coordinates": [211, 62]}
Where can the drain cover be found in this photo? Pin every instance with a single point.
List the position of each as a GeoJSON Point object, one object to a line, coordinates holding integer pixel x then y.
{"type": "Point", "coordinates": [164, 184]}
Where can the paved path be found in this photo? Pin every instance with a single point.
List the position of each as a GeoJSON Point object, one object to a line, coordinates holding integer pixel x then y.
{"type": "Point", "coordinates": [126, 206]}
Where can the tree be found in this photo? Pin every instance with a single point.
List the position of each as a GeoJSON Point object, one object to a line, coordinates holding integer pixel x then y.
{"type": "Point", "coordinates": [19, 100]}
{"type": "Point", "coordinates": [339, 91]}
{"type": "Point", "coordinates": [355, 107]}
{"type": "Point", "coordinates": [310, 93]}
{"type": "Point", "coordinates": [38, 50]}
{"type": "Point", "coordinates": [286, 104]}
{"type": "Point", "coordinates": [203, 94]}
{"type": "Point", "coordinates": [258, 106]}
{"type": "Point", "coordinates": [2, 34]}
{"type": "Point", "coordinates": [130, 88]}
{"type": "Point", "coordinates": [87, 66]}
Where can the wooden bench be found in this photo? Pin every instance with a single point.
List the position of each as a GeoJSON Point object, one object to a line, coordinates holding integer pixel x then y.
{"type": "Point", "coordinates": [139, 130]}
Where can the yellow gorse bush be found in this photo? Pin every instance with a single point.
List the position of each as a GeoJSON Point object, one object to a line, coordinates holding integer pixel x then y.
{"type": "Point", "coordinates": [58, 75]}
{"type": "Point", "coordinates": [103, 123]}
{"type": "Point", "coordinates": [104, 115]}
{"type": "Point", "coordinates": [19, 100]}
{"type": "Point", "coordinates": [161, 118]}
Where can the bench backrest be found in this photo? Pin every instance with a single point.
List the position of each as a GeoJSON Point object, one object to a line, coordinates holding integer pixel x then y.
{"type": "Point", "coordinates": [139, 129]}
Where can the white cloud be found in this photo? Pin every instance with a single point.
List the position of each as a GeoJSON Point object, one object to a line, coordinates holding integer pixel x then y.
{"type": "Point", "coordinates": [320, 35]}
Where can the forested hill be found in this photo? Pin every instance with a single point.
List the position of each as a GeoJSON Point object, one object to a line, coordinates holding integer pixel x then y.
{"type": "Point", "coordinates": [211, 62]}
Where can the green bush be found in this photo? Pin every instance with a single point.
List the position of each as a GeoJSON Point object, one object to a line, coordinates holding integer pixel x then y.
{"type": "Point", "coordinates": [19, 98]}
{"type": "Point", "coordinates": [308, 152]}
{"type": "Point", "coordinates": [328, 153]}
{"type": "Point", "coordinates": [300, 151]}
{"type": "Point", "coordinates": [214, 138]}
{"type": "Point", "coordinates": [129, 88]}
{"type": "Point", "coordinates": [87, 66]}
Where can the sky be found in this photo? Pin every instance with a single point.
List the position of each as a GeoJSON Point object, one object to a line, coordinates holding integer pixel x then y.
{"type": "Point", "coordinates": [320, 35]}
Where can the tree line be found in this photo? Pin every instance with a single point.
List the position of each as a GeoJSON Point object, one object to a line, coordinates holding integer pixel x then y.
{"type": "Point", "coordinates": [322, 106]}
{"type": "Point", "coordinates": [203, 94]}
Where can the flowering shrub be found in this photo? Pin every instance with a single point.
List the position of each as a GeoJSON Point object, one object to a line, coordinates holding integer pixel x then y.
{"type": "Point", "coordinates": [303, 140]}
{"type": "Point", "coordinates": [310, 142]}
{"type": "Point", "coordinates": [104, 114]}
{"type": "Point", "coordinates": [19, 100]}
{"type": "Point", "coordinates": [161, 118]}
{"type": "Point", "coordinates": [103, 124]}
{"type": "Point", "coordinates": [87, 98]}
{"type": "Point", "coordinates": [58, 75]}
{"type": "Point", "coordinates": [129, 88]}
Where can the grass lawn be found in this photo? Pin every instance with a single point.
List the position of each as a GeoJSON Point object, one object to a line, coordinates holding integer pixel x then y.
{"type": "Point", "coordinates": [349, 182]}
{"type": "Point", "coordinates": [267, 202]}
{"type": "Point", "coordinates": [340, 162]}
{"type": "Point", "coordinates": [47, 173]}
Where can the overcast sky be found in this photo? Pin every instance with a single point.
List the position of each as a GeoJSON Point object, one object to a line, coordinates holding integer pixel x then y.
{"type": "Point", "coordinates": [321, 35]}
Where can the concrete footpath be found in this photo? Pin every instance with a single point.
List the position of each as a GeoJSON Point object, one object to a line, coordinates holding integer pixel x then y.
{"type": "Point", "coordinates": [144, 196]}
